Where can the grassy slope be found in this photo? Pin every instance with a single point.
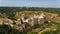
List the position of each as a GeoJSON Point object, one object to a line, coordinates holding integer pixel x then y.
{"type": "Point", "coordinates": [49, 29]}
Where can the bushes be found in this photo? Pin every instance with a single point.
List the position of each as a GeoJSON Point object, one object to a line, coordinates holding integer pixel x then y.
{"type": "Point", "coordinates": [5, 29]}
{"type": "Point", "coordinates": [36, 26]}
{"type": "Point", "coordinates": [10, 11]}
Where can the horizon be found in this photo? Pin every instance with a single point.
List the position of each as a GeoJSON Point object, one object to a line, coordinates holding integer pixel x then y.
{"type": "Point", "coordinates": [24, 6]}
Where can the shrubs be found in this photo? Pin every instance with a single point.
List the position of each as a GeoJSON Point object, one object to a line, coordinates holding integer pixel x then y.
{"type": "Point", "coordinates": [53, 28]}
{"type": "Point", "coordinates": [5, 29]}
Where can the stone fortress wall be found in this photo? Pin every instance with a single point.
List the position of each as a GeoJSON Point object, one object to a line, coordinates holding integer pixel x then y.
{"type": "Point", "coordinates": [28, 19]}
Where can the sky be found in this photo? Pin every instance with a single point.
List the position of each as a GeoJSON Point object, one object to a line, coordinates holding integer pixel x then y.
{"type": "Point", "coordinates": [30, 3]}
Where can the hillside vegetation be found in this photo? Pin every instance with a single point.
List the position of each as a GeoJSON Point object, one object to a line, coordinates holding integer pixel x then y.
{"type": "Point", "coordinates": [14, 13]}
{"type": "Point", "coordinates": [11, 11]}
